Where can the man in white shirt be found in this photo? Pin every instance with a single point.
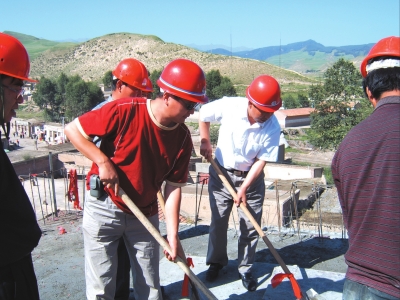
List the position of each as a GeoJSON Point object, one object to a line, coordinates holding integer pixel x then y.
{"type": "Point", "coordinates": [248, 138]}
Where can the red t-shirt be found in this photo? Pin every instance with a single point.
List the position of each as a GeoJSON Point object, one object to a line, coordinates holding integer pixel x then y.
{"type": "Point", "coordinates": [144, 152]}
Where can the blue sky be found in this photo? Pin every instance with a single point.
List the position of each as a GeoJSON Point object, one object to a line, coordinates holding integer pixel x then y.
{"type": "Point", "coordinates": [248, 23]}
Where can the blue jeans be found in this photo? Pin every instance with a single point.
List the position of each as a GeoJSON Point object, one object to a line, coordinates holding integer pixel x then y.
{"type": "Point", "coordinates": [356, 291]}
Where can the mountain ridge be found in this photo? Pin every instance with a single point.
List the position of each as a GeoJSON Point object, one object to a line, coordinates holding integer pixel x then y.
{"type": "Point", "coordinates": [282, 55]}
{"type": "Point", "coordinates": [308, 57]}
{"type": "Point", "coordinates": [92, 58]}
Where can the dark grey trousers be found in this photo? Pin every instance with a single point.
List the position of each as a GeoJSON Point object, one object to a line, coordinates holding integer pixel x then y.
{"type": "Point", "coordinates": [221, 203]}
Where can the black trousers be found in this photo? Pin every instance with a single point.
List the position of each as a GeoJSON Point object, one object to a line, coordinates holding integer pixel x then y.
{"type": "Point", "coordinates": [18, 281]}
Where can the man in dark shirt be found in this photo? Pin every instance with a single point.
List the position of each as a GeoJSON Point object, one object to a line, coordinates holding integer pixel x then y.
{"type": "Point", "coordinates": [366, 171]}
{"type": "Point", "coordinates": [19, 231]}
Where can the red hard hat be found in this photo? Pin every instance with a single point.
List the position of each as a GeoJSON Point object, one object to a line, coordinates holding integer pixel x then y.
{"type": "Point", "coordinates": [14, 60]}
{"type": "Point", "coordinates": [264, 92]}
{"type": "Point", "coordinates": [185, 79]}
{"type": "Point", "coordinates": [389, 46]}
{"type": "Point", "coordinates": [134, 73]}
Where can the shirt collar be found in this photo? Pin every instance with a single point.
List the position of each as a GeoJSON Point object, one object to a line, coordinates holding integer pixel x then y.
{"type": "Point", "coordinates": [388, 100]}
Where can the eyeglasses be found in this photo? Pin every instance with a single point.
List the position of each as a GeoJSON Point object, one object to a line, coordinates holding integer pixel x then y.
{"type": "Point", "coordinates": [18, 92]}
{"type": "Point", "coordinates": [187, 104]}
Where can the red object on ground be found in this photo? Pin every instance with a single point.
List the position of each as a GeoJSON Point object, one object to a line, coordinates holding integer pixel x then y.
{"type": "Point", "coordinates": [61, 230]}
{"type": "Point", "coordinates": [278, 279]}
{"type": "Point", "coordinates": [185, 285]}
{"type": "Point", "coordinates": [73, 189]}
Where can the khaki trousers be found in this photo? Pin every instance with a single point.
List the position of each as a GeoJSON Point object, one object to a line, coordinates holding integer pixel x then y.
{"type": "Point", "coordinates": [103, 225]}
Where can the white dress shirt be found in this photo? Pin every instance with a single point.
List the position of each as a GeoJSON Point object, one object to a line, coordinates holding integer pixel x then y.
{"type": "Point", "coordinates": [239, 142]}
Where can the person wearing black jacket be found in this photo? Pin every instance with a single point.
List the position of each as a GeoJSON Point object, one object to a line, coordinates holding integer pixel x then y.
{"type": "Point", "coordinates": [19, 230]}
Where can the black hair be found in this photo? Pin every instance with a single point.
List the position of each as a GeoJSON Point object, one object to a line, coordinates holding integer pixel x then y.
{"type": "Point", "coordinates": [114, 84]}
{"type": "Point", "coordinates": [382, 80]}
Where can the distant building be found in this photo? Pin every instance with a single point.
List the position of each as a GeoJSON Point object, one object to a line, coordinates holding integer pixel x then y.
{"type": "Point", "coordinates": [26, 127]}
{"type": "Point", "coordinates": [296, 117]}
{"type": "Point", "coordinates": [54, 133]}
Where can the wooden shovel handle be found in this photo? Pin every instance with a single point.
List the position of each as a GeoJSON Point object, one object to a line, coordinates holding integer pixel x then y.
{"type": "Point", "coordinates": [156, 234]}
{"type": "Point", "coordinates": [253, 221]}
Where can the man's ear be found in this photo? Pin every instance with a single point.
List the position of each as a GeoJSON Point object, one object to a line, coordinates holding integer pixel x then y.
{"type": "Point", "coordinates": [118, 85]}
{"type": "Point", "coordinates": [371, 98]}
{"type": "Point", "coordinates": [165, 98]}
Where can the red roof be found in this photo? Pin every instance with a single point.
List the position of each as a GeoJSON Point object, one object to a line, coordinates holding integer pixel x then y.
{"type": "Point", "coordinates": [294, 112]}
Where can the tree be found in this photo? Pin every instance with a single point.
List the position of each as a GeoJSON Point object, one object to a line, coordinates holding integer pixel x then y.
{"type": "Point", "coordinates": [218, 86]}
{"type": "Point", "coordinates": [225, 88]}
{"type": "Point", "coordinates": [61, 85]}
{"type": "Point", "coordinates": [316, 94]}
{"type": "Point", "coordinates": [335, 113]}
{"type": "Point", "coordinates": [66, 96]}
{"type": "Point", "coordinates": [107, 79]}
{"type": "Point", "coordinates": [290, 102]}
{"type": "Point", "coordinates": [303, 100]}
{"type": "Point", "coordinates": [45, 97]}
{"type": "Point", "coordinates": [81, 97]}
{"type": "Point", "coordinates": [213, 79]}
{"type": "Point", "coordinates": [342, 81]}
{"type": "Point", "coordinates": [154, 77]}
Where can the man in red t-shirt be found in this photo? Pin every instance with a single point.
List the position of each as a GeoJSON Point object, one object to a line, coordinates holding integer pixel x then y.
{"type": "Point", "coordinates": [130, 78]}
{"type": "Point", "coordinates": [144, 143]}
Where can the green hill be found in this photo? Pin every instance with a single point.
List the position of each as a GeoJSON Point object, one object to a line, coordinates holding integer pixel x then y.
{"type": "Point", "coordinates": [93, 58]}
{"type": "Point", "coordinates": [36, 46]}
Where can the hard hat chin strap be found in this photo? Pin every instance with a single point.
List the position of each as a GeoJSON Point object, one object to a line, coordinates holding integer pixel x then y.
{"type": "Point", "coordinates": [5, 126]}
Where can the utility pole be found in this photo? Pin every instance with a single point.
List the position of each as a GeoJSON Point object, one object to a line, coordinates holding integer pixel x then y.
{"type": "Point", "coordinates": [280, 51]}
{"type": "Point", "coordinates": [63, 134]}
{"type": "Point", "coordinates": [52, 183]}
{"type": "Point", "coordinates": [231, 53]}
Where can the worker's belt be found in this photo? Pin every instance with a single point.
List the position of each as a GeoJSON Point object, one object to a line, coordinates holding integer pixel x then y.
{"type": "Point", "coordinates": [236, 172]}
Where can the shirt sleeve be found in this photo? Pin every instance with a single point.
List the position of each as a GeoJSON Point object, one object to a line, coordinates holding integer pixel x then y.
{"type": "Point", "coordinates": [270, 146]}
{"type": "Point", "coordinates": [336, 178]}
{"type": "Point", "coordinates": [101, 122]}
{"type": "Point", "coordinates": [213, 111]}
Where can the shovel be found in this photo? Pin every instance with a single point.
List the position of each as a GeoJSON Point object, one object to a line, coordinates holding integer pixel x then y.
{"type": "Point", "coordinates": [156, 234]}
{"type": "Point", "coordinates": [253, 222]}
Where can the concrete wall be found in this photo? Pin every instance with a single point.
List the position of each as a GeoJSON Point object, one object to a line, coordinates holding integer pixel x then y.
{"type": "Point", "coordinates": [289, 172]}
{"type": "Point", "coordinates": [77, 159]}
{"type": "Point", "coordinates": [279, 171]}
{"type": "Point", "coordinates": [38, 165]}
{"type": "Point", "coordinates": [270, 216]}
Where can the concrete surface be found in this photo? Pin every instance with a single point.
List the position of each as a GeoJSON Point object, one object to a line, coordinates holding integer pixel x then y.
{"type": "Point", "coordinates": [316, 263]}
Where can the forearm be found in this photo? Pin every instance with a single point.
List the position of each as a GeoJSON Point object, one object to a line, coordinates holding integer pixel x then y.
{"type": "Point", "coordinates": [255, 171]}
{"type": "Point", "coordinates": [172, 208]}
{"type": "Point", "coordinates": [204, 128]}
{"type": "Point", "coordinates": [83, 145]}
{"type": "Point", "coordinates": [205, 144]}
